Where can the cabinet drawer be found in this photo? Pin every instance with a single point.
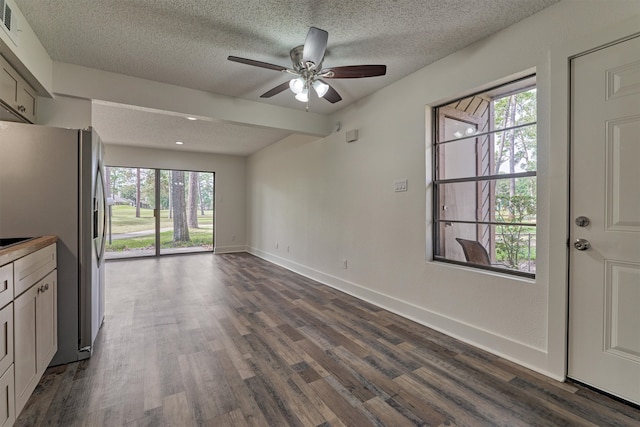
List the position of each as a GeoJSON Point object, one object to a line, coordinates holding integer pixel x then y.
{"type": "Point", "coordinates": [7, 399]}
{"type": "Point", "coordinates": [6, 339]}
{"type": "Point", "coordinates": [6, 285]}
{"type": "Point", "coordinates": [33, 267]}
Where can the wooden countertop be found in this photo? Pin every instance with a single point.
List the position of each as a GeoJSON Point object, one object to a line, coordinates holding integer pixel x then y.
{"type": "Point", "coordinates": [14, 252]}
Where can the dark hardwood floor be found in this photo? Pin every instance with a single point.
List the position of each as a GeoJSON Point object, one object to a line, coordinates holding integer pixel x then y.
{"type": "Point", "coordinates": [231, 340]}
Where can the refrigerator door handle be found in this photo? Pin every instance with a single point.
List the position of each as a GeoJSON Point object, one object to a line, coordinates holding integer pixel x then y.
{"type": "Point", "coordinates": [100, 215]}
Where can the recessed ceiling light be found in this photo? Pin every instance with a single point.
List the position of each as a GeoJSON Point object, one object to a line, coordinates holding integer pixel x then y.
{"type": "Point", "coordinates": [191, 118]}
{"type": "Point", "coordinates": [179, 142]}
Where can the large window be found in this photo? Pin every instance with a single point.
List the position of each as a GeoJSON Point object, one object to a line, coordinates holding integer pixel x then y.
{"type": "Point", "coordinates": [485, 157]}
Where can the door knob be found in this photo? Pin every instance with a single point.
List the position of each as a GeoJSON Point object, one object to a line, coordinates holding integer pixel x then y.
{"type": "Point", "coordinates": [581, 244]}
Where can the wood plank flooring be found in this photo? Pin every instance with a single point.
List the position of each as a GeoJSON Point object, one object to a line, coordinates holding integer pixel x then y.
{"type": "Point", "coordinates": [231, 340]}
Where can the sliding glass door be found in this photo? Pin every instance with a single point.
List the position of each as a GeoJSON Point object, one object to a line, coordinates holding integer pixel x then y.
{"type": "Point", "coordinates": [156, 212]}
{"type": "Point", "coordinates": [131, 199]}
{"type": "Point", "coordinates": [187, 211]}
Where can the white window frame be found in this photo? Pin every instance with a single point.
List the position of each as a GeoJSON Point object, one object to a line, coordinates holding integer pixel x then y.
{"type": "Point", "coordinates": [489, 222]}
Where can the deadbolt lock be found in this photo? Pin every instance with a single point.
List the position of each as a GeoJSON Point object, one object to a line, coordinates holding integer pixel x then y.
{"type": "Point", "coordinates": [582, 221]}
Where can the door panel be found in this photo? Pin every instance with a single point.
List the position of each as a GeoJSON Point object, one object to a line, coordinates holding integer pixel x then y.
{"type": "Point", "coordinates": [622, 316]}
{"type": "Point", "coordinates": [186, 223]}
{"type": "Point", "coordinates": [604, 344]}
{"type": "Point", "coordinates": [623, 174]}
{"type": "Point", "coordinates": [131, 207]}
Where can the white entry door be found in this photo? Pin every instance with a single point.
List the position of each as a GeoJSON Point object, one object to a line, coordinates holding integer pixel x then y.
{"type": "Point", "coordinates": [604, 276]}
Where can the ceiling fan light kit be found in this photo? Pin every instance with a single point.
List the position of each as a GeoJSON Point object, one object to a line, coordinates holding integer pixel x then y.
{"type": "Point", "coordinates": [296, 85]}
{"type": "Point", "coordinates": [321, 88]}
{"type": "Point", "coordinates": [303, 95]}
{"type": "Point", "coordinates": [307, 68]}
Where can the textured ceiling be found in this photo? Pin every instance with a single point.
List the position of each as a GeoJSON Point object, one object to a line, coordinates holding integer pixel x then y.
{"type": "Point", "coordinates": [186, 42]}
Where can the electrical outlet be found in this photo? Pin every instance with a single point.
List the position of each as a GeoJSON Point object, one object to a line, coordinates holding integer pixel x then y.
{"type": "Point", "coordinates": [345, 264]}
{"type": "Point", "coordinates": [287, 248]}
{"type": "Point", "coordinates": [277, 245]}
{"type": "Point", "coordinates": [400, 185]}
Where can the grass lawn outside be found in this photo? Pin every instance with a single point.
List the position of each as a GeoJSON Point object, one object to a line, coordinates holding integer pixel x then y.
{"type": "Point", "coordinates": [124, 221]}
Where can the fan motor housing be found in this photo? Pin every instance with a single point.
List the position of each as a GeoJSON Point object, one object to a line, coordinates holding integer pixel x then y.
{"type": "Point", "coordinates": [296, 57]}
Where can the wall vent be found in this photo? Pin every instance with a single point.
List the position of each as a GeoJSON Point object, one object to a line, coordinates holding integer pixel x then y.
{"type": "Point", "coordinates": [8, 20]}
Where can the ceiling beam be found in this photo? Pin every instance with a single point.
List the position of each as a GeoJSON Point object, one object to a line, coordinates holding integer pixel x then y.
{"type": "Point", "coordinates": [89, 83]}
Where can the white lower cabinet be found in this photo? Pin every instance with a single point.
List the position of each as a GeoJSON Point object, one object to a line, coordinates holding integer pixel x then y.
{"type": "Point", "coordinates": [7, 400]}
{"type": "Point", "coordinates": [28, 327]}
{"type": "Point", "coordinates": [25, 346]}
{"type": "Point", "coordinates": [7, 396]}
{"type": "Point", "coordinates": [35, 336]}
{"type": "Point", "coordinates": [6, 338]}
{"type": "Point", "coordinates": [47, 322]}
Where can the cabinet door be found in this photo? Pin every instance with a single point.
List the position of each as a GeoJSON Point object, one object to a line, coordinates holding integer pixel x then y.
{"type": "Point", "coordinates": [26, 368]}
{"type": "Point", "coordinates": [46, 321]}
{"type": "Point", "coordinates": [7, 402]}
{"type": "Point", "coordinates": [26, 102]}
{"type": "Point", "coordinates": [8, 83]}
{"type": "Point", "coordinates": [16, 92]}
{"type": "Point", "coordinates": [6, 338]}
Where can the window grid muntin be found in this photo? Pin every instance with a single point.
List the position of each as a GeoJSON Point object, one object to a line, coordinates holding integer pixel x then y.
{"type": "Point", "coordinates": [491, 132]}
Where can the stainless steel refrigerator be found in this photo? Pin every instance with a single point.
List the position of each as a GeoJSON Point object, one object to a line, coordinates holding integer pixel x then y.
{"type": "Point", "coordinates": [51, 183]}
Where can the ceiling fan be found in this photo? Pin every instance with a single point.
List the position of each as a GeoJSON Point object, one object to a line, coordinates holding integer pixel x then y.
{"type": "Point", "coordinates": [307, 69]}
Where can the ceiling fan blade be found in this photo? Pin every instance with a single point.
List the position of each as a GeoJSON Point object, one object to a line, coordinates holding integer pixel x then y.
{"type": "Point", "coordinates": [315, 46]}
{"type": "Point", "coordinates": [276, 90]}
{"type": "Point", "coordinates": [257, 63]}
{"type": "Point", "coordinates": [356, 71]}
{"type": "Point", "coordinates": [332, 95]}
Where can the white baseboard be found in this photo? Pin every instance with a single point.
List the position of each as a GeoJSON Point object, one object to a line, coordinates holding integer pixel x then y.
{"type": "Point", "coordinates": [517, 352]}
{"type": "Point", "coordinates": [229, 249]}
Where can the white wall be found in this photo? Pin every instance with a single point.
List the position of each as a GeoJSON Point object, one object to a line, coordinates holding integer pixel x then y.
{"type": "Point", "coordinates": [325, 201]}
{"type": "Point", "coordinates": [230, 185]}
